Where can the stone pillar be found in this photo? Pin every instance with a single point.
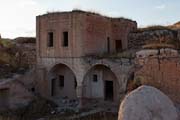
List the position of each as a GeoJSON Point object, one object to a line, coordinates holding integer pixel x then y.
{"type": "Point", "coordinates": [43, 84]}
{"type": "Point", "coordinates": [80, 72]}
{"type": "Point", "coordinates": [79, 92]}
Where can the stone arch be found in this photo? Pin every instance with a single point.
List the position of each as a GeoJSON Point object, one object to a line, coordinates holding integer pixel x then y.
{"type": "Point", "coordinates": [100, 82]}
{"type": "Point", "coordinates": [63, 81]}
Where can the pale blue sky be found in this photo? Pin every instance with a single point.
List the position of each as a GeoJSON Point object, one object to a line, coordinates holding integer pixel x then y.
{"type": "Point", "coordinates": [18, 16]}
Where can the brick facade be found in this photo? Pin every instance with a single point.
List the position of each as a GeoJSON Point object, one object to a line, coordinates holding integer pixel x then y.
{"type": "Point", "coordinates": [89, 35]}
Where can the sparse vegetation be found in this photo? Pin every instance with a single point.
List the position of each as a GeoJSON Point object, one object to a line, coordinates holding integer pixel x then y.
{"type": "Point", "coordinates": [6, 43]}
{"type": "Point", "coordinates": [90, 12]}
{"type": "Point", "coordinates": [158, 46]}
{"type": "Point", "coordinates": [153, 28]}
{"type": "Point", "coordinates": [7, 52]}
{"type": "Point", "coordinates": [10, 56]}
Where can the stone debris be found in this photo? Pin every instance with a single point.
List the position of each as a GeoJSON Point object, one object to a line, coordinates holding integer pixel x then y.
{"type": "Point", "coordinates": [146, 53]}
{"type": "Point", "coordinates": [155, 52]}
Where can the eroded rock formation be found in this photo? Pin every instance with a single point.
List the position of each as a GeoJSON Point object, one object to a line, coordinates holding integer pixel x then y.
{"type": "Point", "coordinates": [147, 103]}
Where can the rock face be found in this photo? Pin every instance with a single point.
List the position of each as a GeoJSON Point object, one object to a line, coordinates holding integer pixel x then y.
{"type": "Point", "coordinates": [137, 39]}
{"type": "Point", "coordinates": [147, 103]}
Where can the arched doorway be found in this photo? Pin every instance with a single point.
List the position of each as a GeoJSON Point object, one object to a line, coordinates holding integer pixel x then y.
{"type": "Point", "coordinates": [100, 83]}
{"type": "Point", "coordinates": [63, 82]}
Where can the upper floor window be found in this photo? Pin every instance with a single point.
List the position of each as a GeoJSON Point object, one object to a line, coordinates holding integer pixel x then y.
{"type": "Point", "coordinates": [65, 39]}
{"type": "Point", "coordinates": [50, 41]}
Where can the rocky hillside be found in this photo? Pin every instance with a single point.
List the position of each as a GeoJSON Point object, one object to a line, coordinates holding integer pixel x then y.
{"type": "Point", "coordinates": [175, 26]}
{"type": "Point", "coordinates": [155, 35]}
{"type": "Point", "coordinates": [16, 55]}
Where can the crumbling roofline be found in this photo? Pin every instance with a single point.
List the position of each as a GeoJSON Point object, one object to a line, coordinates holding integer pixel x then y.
{"type": "Point", "coordinates": [83, 12]}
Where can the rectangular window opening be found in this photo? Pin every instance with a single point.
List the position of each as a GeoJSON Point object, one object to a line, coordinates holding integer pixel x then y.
{"type": "Point", "coordinates": [53, 85]}
{"type": "Point", "coordinates": [65, 39]}
{"type": "Point", "coordinates": [61, 81]}
{"type": "Point", "coordinates": [50, 39]}
{"type": "Point", "coordinates": [95, 78]}
{"type": "Point", "coordinates": [109, 90]}
{"type": "Point", "coordinates": [118, 46]}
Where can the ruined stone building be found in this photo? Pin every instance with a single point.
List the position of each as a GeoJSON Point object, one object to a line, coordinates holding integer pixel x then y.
{"type": "Point", "coordinates": [68, 46]}
{"type": "Point", "coordinates": [74, 61]}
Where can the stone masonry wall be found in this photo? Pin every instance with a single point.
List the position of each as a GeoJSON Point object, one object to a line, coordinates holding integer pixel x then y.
{"type": "Point", "coordinates": [81, 66]}
{"type": "Point", "coordinates": [161, 70]}
{"type": "Point", "coordinates": [99, 29]}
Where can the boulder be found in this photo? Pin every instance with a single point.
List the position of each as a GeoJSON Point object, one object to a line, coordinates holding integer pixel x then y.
{"type": "Point", "coordinates": [147, 103]}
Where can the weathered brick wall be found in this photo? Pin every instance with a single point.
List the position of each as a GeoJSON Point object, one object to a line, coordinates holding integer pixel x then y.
{"type": "Point", "coordinates": [59, 23]}
{"type": "Point", "coordinates": [98, 29]}
{"type": "Point", "coordinates": [88, 33]}
{"type": "Point", "coordinates": [121, 28]}
{"type": "Point", "coordinates": [161, 71]}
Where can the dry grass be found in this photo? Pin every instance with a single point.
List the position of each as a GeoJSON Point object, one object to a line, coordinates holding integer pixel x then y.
{"type": "Point", "coordinates": [7, 43]}
{"type": "Point", "coordinates": [7, 54]}
{"type": "Point", "coordinates": [153, 28]}
{"type": "Point", "coordinates": [92, 12]}
{"type": "Point", "coordinates": [158, 46]}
